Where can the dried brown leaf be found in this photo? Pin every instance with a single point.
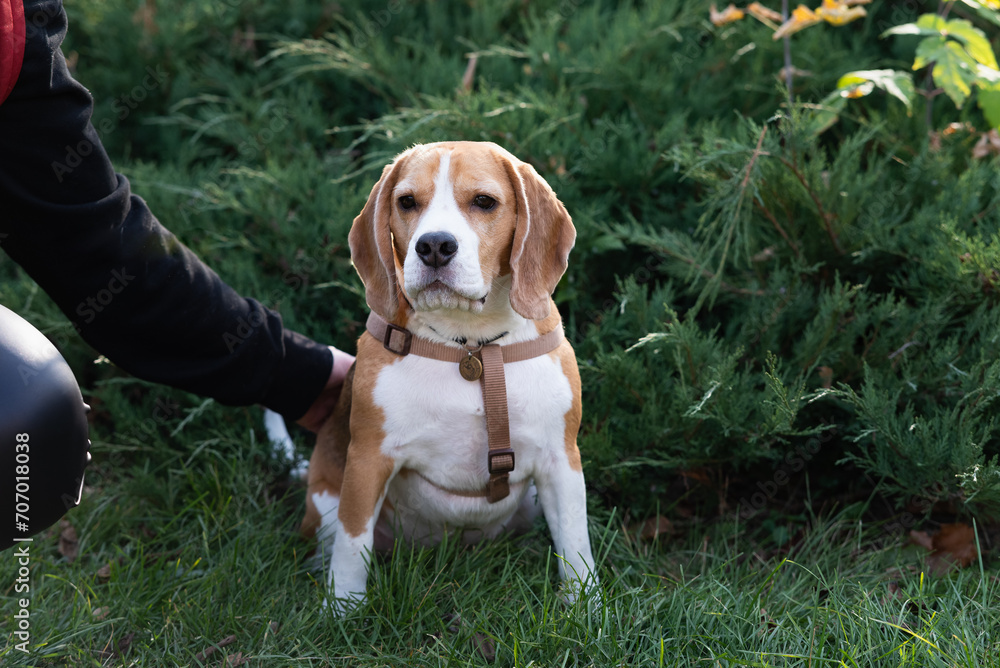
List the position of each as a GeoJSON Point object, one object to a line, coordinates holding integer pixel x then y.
{"type": "Point", "coordinates": [654, 526]}
{"type": "Point", "coordinates": [212, 649]}
{"type": "Point", "coordinates": [113, 649]}
{"type": "Point", "coordinates": [954, 546]}
{"type": "Point", "coordinates": [69, 545]}
{"type": "Point", "coordinates": [988, 144]}
{"type": "Point", "coordinates": [234, 660]}
{"type": "Point", "coordinates": [485, 647]}
{"type": "Point", "coordinates": [125, 644]}
{"type": "Point", "coordinates": [921, 538]}
{"type": "Point", "coordinates": [699, 475]}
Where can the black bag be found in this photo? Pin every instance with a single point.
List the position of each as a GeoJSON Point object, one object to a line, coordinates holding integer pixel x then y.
{"type": "Point", "coordinates": [44, 444]}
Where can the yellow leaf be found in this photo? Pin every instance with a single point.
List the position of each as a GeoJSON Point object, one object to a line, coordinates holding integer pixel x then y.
{"type": "Point", "coordinates": [763, 14]}
{"type": "Point", "coordinates": [857, 91]}
{"type": "Point", "coordinates": [839, 13]}
{"type": "Point", "coordinates": [727, 15]}
{"type": "Point", "coordinates": [802, 18]}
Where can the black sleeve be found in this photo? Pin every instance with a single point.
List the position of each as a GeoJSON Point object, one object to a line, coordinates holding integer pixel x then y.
{"type": "Point", "coordinates": [136, 293]}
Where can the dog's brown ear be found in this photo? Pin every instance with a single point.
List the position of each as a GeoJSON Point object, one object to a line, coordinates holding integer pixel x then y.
{"type": "Point", "coordinates": [543, 237]}
{"type": "Point", "coordinates": [371, 244]}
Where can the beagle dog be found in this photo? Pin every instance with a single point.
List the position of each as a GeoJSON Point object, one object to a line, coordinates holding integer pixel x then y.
{"type": "Point", "coordinates": [459, 247]}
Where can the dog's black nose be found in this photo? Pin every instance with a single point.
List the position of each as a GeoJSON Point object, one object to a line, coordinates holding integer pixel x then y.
{"type": "Point", "coordinates": [436, 248]}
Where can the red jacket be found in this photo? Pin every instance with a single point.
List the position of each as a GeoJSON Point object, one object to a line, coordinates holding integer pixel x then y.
{"type": "Point", "coordinates": [11, 44]}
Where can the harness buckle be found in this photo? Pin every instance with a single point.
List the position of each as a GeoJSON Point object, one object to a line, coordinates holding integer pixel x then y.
{"type": "Point", "coordinates": [387, 339]}
{"type": "Point", "coordinates": [500, 461]}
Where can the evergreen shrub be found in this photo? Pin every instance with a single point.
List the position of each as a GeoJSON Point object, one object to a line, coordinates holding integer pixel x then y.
{"type": "Point", "coordinates": [751, 300]}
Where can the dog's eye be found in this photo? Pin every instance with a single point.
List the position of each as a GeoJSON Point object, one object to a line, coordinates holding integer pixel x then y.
{"type": "Point", "coordinates": [407, 202]}
{"type": "Point", "coordinates": [484, 202]}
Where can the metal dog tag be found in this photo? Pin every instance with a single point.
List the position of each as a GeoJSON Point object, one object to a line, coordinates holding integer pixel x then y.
{"type": "Point", "coordinates": [470, 368]}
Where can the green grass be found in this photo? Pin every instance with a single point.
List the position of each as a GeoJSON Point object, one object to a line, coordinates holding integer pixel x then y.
{"type": "Point", "coordinates": [199, 533]}
{"type": "Point", "coordinates": [195, 519]}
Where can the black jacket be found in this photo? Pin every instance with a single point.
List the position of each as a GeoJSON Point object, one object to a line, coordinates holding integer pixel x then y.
{"type": "Point", "coordinates": [135, 293]}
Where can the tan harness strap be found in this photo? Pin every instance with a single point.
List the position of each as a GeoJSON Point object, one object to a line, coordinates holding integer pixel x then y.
{"type": "Point", "coordinates": [401, 341]}
{"type": "Point", "coordinates": [500, 457]}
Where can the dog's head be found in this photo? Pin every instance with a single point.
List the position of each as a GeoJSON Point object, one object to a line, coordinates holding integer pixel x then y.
{"type": "Point", "coordinates": [448, 223]}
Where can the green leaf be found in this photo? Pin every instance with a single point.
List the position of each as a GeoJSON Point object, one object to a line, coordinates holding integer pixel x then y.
{"type": "Point", "coordinates": [974, 40]}
{"type": "Point", "coordinates": [984, 10]}
{"type": "Point", "coordinates": [931, 22]}
{"type": "Point", "coordinates": [927, 24]}
{"type": "Point", "coordinates": [821, 117]}
{"type": "Point", "coordinates": [988, 100]}
{"type": "Point", "coordinates": [954, 72]}
{"type": "Point", "coordinates": [894, 82]}
{"type": "Point", "coordinates": [928, 51]}
{"type": "Point", "coordinates": [954, 69]}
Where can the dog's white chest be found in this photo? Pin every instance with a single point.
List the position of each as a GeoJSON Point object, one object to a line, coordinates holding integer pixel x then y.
{"type": "Point", "coordinates": [435, 430]}
{"type": "Point", "coordinates": [435, 422]}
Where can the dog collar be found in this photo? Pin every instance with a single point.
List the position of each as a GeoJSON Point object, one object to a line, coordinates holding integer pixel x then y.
{"type": "Point", "coordinates": [483, 363]}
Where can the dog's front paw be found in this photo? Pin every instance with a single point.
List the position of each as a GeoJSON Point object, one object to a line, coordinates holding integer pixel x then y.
{"type": "Point", "coordinates": [573, 590]}
{"type": "Point", "coordinates": [339, 606]}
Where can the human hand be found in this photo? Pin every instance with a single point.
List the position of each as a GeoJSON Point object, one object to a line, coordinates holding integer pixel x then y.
{"type": "Point", "coordinates": [327, 399]}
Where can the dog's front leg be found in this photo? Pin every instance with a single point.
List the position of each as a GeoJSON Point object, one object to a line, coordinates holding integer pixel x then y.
{"type": "Point", "coordinates": [563, 497]}
{"type": "Point", "coordinates": [366, 480]}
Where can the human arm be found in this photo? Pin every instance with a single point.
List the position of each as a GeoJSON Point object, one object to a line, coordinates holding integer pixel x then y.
{"type": "Point", "coordinates": [134, 292]}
